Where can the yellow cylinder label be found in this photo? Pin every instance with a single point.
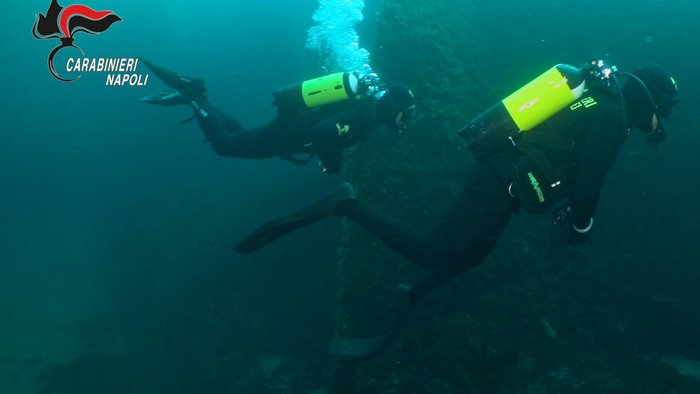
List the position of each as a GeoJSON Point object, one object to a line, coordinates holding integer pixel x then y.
{"type": "Point", "coordinates": [324, 90]}
{"type": "Point", "coordinates": [540, 99]}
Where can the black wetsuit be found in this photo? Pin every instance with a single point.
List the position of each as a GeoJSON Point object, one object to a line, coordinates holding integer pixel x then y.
{"type": "Point", "coordinates": [323, 132]}
{"type": "Point", "coordinates": [471, 227]}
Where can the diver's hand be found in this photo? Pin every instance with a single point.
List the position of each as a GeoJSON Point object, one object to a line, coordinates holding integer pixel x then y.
{"type": "Point", "coordinates": [329, 167]}
{"type": "Point", "coordinates": [563, 214]}
{"type": "Point", "coordinates": [573, 235]}
{"type": "Point", "coordinates": [167, 98]}
{"type": "Point", "coordinates": [323, 168]}
{"type": "Point", "coordinates": [573, 231]}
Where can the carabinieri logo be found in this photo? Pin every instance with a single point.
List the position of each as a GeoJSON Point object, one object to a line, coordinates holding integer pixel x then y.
{"type": "Point", "coordinates": [63, 23]}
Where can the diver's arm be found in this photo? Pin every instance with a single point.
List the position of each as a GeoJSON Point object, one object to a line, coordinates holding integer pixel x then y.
{"type": "Point", "coordinates": [346, 127]}
{"type": "Point", "coordinates": [331, 135]}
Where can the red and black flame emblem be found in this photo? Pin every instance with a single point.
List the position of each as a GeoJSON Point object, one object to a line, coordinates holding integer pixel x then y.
{"type": "Point", "coordinates": [63, 23]}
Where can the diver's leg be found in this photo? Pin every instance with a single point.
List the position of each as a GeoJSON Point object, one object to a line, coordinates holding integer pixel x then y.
{"type": "Point", "coordinates": [461, 242]}
{"type": "Point", "coordinates": [462, 239]}
{"type": "Point", "coordinates": [472, 255]}
{"type": "Point", "coordinates": [224, 133]}
{"type": "Point", "coordinates": [212, 121]}
{"type": "Point", "coordinates": [398, 236]}
{"type": "Point", "coordinates": [228, 138]}
{"type": "Point", "coordinates": [469, 231]}
{"type": "Point", "coordinates": [479, 214]}
{"type": "Point", "coordinates": [471, 226]}
{"type": "Point", "coordinates": [472, 215]}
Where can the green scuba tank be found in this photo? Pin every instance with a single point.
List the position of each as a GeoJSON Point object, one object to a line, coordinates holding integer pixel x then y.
{"type": "Point", "coordinates": [525, 109]}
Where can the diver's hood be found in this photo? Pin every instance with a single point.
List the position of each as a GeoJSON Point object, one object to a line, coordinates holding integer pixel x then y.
{"type": "Point", "coordinates": [654, 92]}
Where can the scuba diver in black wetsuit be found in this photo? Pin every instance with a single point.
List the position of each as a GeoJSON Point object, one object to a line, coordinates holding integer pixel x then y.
{"type": "Point", "coordinates": [554, 158]}
{"type": "Point", "coordinates": [319, 117]}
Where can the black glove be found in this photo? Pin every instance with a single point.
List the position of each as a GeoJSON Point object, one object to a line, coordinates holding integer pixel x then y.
{"type": "Point", "coordinates": [327, 170]}
{"type": "Point", "coordinates": [573, 230]}
{"type": "Point", "coordinates": [330, 163]}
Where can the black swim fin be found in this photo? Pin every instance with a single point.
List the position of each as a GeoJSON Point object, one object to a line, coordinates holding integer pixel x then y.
{"type": "Point", "coordinates": [191, 88]}
{"type": "Point", "coordinates": [358, 349]}
{"type": "Point", "coordinates": [274, 229]}
{"type": "Point", "coordinates": [168, 98]}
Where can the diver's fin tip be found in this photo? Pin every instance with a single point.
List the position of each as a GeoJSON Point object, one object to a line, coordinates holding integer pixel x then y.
{"type": "Point", "coordinates": [355, 349]}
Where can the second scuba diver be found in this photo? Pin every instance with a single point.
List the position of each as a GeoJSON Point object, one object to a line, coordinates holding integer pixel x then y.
{"type": "Point", "coordinates": [319, 117]}
{"type": "Point", "coordinates": [547, 147]}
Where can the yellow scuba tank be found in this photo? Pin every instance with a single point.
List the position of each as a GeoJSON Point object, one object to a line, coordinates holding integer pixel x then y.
{"type": "Point", "coordinates": [525, 109]}
{"type": "Point", "coordinates": [329, 89]}
{"type": "Point", "coordinates": [318, 92]}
